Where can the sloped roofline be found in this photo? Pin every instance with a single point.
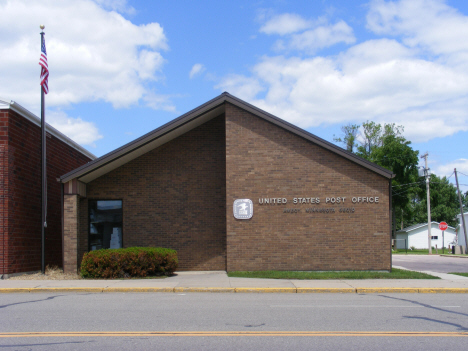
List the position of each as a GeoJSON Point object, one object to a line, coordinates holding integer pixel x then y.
{"type": "Point", "coordinates": [14, 106]}
{"type": "Point", "coordinates": [417, 226]}
{"type": "Point", "coordinates": [203, 109]}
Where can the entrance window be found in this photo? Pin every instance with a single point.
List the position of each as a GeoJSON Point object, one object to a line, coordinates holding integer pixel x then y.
{"type": "Point", "coordinates": [105, 224]}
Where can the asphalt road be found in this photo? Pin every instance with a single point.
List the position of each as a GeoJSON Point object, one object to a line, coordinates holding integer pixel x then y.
{"type": "Point", "coordinates": [217, 321]}
{"type": "Point", "coordinates": [433, 263]}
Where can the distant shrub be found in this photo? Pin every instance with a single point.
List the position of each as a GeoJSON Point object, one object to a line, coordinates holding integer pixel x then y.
{"type": "Point", "coordinates": [129, 262]}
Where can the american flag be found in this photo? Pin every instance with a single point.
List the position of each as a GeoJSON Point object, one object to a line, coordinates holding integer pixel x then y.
{"type": "Point", "coordinates": [44, 69]}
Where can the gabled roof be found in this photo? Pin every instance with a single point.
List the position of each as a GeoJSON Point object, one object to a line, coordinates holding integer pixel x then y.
{"type": "Point", "coordinates": [191, 120]}
{"type": "Point", "coordinates": [14, 106]}
{"type": "Point", "coordinates": [420, 225]}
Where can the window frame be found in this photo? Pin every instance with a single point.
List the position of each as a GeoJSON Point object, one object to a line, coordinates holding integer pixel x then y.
{"type": "Point", "coordinates": [89, 220]}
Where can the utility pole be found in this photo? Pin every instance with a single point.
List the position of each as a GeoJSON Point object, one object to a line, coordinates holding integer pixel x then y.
{"type": "Point", "coordinates": [461, 212]}
{"type": "Point", "coordinates": [426, 174]}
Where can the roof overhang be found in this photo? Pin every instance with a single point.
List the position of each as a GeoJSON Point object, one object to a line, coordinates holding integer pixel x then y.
{"type": "Point", "coordinates": [189, 121]}
{"type": "Point", "coordinates": [421, 225]}
{"type": "Point", "coordinates": [12, 105]}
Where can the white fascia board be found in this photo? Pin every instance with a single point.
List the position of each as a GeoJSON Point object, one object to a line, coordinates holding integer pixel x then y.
{"type": "Point", "coordinates": [421, 226]}
{"type": "Point", "coordinates": [12, 105]}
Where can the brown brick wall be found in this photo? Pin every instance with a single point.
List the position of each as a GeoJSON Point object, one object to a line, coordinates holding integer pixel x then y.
{"type": "Point", "coordinates": [4, 187]}
{"type": "Point", "coordinates": [22, 140]}
{"type": "Point", "coordinates": [173, 196]}
{"type": "Point", "coordinates": [266, 161]}
{"type": "Point", "coordinates": [71, 227]}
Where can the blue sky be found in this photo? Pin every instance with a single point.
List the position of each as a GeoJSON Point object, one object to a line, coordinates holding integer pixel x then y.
{"type": "Point", "coordinates": [119, 69]}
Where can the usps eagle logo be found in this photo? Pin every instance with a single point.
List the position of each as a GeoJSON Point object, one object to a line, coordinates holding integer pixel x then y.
{"type": "Point", "coordinates": [243, 209]}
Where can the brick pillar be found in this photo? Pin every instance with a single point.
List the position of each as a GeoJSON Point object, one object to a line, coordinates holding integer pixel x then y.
{"type": "Point", "coordinates": [71, 229]}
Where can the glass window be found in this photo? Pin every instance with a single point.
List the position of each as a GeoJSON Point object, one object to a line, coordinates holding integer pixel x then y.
{"type": "Point", "coordinates": [105, 224]}
{"type": "Point", "coordinates": [434, 237]}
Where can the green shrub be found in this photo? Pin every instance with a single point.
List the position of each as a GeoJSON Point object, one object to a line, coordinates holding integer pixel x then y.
{"type": "Point", "coordinates": [129, 262]}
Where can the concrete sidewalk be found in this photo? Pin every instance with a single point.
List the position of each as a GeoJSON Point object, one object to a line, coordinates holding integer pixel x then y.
{"type": "Point", "coordinates": [220, 282]}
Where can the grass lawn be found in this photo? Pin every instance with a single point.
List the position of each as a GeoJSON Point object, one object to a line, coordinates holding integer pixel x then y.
{"type": "Point", "coordinates": [462, 274]}
{"type": "Point", "coordinates": [395, 274]}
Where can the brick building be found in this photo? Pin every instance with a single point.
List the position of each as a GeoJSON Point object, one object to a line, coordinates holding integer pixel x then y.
{"type": "Point", "coordinates": [20, 189]}
{"type": "Point", "coordinates": [232, 187]}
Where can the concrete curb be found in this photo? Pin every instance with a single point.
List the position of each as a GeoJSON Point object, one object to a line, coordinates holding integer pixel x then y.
{"type": "Point", "coordinates": [236, 290]}
{"type": "Point", "coordinates": [325, 290]}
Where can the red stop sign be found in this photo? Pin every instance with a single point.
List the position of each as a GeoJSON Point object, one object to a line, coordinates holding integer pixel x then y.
{"type": "Point", "coordinates": [443, 226]}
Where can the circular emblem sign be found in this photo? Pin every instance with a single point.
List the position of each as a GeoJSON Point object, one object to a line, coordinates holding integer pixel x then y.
{"type": "Point", "coordinates": [243, 208]}
{"type": "Point", "coordinates": [443, 226]}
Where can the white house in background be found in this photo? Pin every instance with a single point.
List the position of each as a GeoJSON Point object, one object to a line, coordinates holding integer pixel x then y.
{"type": "Point", "coordinates": [416, 236]}
{"type": "Point", "coordinates": [461, 233]}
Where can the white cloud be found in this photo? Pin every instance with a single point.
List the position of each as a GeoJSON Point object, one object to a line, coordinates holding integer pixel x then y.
{"type": "Point", "coordinates": [406, 78]}
{"type": "Point", "coordinates": [322, 37]}
{"type": "Point", "coordinates": [307, 35]}
{"type": "Point", "coordinates": [286, 23]}
{"type": "Point", "coordinates": [94, 53]}
{"type": "Point", "coordinates": [159, 102]}
{"type": "Point", "coordinates": [462, 169]}
{"type": "Point", "coordinates": [116, 5]}
{"type": "Point", "coordinates": [197, 69]}
{"type": "Point", "coordinates": [82, 132]}
{"type": "Point", "coordinates": [430, 24]}
{"type": "Point", "coordinates": [244, 87]}
{"type": "Point", "coordinates": [445, 170]}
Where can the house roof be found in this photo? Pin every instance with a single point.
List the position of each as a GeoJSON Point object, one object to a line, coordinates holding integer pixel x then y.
{"type": "Point", "coordinates": [14, 106]}
{"type": "Point", "coordinates": [420, 225]}
{"type": "Point", "coordinates": [191, 120]}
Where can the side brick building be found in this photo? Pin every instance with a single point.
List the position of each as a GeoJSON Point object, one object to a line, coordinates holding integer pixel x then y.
{"type": "Point", "coordinates": [232, 187]}
{"type": "Point", "coordinates": [20, 189]}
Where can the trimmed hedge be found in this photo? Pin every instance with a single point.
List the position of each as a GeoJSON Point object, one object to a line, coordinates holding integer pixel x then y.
{"type": "Point", "coordinates": [129, 262]}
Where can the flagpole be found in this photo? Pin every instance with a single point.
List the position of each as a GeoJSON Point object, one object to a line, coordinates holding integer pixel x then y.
{"type": "Point", "coordinates": [43, 168]}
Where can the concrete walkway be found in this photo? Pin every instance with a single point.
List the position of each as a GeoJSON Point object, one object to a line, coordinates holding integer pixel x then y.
{"type": "Point", "coordinates": [220, 282]}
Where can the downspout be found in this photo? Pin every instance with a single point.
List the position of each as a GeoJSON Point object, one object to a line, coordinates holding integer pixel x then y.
{"type": "Point", "coordinates": [63, 225]}
{"type": "Point", "coordinates": [3, 211]}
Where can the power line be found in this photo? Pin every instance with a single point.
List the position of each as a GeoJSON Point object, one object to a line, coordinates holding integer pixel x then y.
{"type": "Point", "coordinates": [423, 181]}
{"type": "Point", "coordinates": [402, 192]}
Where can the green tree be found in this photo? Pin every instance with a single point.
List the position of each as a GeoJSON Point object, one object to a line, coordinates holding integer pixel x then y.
{"type": "Point", "coordinates": [373, 136]}
{"type": "Point", "coordinates": [371, 139]}
{"type": "Point", "coordinates": [444, 201]}
{"type": "Point", "coordinates": [350, 133]}
{"type": "Point", "coordinates": [397, 155]}
{"type": "Point", "coordinates": [386, 146]}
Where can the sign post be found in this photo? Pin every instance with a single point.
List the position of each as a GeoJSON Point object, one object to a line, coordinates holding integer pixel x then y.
{"type": "Point", "coordinates": [443, 226]}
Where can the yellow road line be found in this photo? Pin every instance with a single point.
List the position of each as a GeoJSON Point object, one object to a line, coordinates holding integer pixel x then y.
{"type": "Point", "coordinates": [232, 333]}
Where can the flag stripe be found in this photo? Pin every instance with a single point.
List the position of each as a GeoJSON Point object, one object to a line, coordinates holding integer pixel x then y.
{"type": "Point", "coordinates": [44, 68]}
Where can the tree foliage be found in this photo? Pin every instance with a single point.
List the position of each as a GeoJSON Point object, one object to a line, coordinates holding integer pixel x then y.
{"type": "Point", "coordinates": [374, 136]}
{"type": "Point", "coordinates": [350, 133]}
{"type": "Point", "coordinates": [386, 146]}
{"type": "Point", "coordinates": [444, 201]}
